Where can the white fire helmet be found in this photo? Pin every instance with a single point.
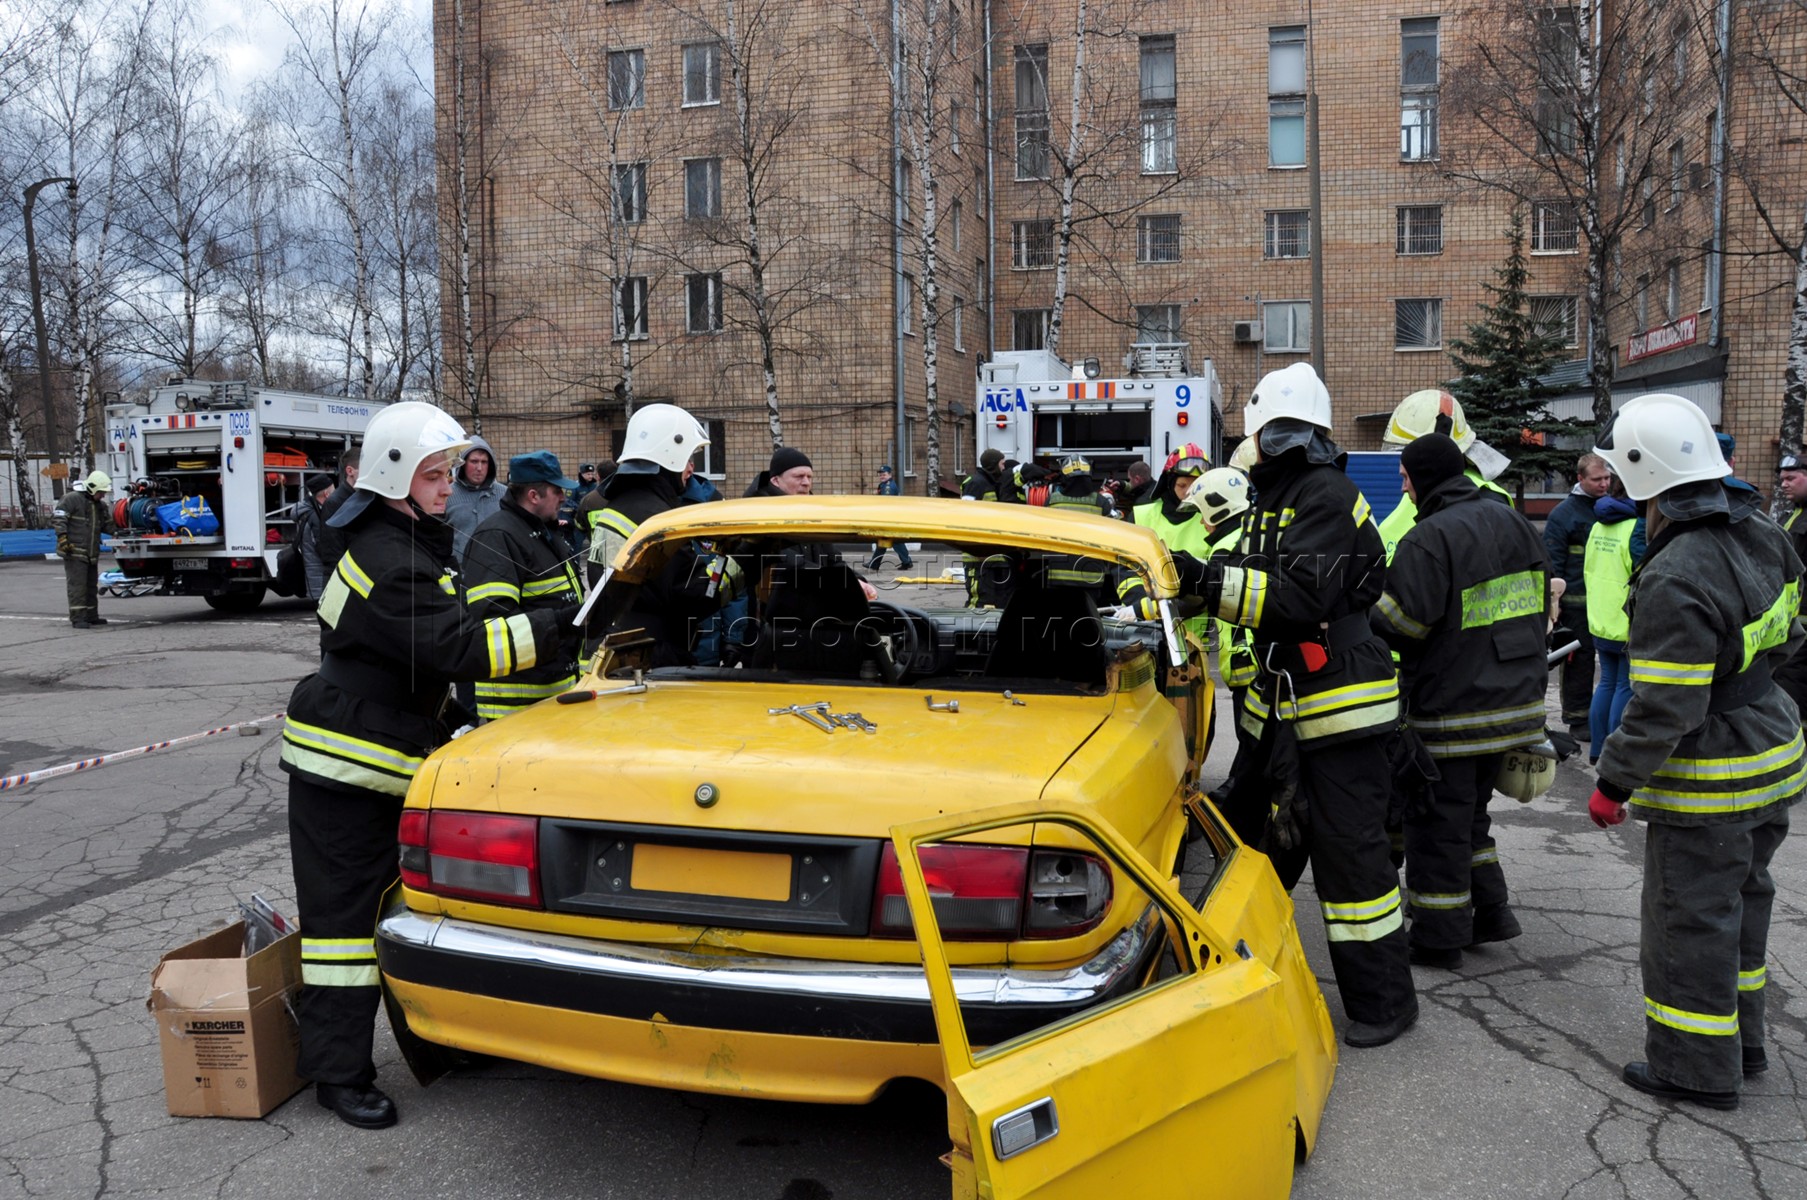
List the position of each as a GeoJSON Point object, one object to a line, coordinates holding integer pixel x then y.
{"type": "Point", "coordinates": [400, 438]}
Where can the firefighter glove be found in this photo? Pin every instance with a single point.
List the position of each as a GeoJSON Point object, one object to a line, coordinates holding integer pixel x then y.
{"type": "Point", "coordinates": [1604, 810]}
{"type": "Point", "coordinates": [1203, 580]}
{"type": "Point", "coordinates": [62, 547]}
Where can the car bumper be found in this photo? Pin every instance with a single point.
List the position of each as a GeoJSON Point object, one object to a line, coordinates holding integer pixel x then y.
{"type": "Point", "coordinates": [671, 1017]}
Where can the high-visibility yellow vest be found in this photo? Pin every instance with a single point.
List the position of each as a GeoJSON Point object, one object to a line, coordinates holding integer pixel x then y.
{"type": "Point", "coordinates": [1235, 645]}
{"type": "Point", "coordinates": [1607, 572]}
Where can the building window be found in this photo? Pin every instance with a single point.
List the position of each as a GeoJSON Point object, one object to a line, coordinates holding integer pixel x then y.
{"type": "Point", "coordinates": [906, 188]}
{"type": "Point", "coordinates": [1029, 328]}
{"type": "Point", "coordinates": [1032, 112]}
{"type": "Point", "coordinates": [906, 305]}
{"type": "Point", "coordinates": [630, 308]}
{"type": "Point", "coordinates": [630, 193]}
{"type": "Point", "coordinates": [1419, 229]}
{"type": "Point", "coordinates": [1554, 228]}
{"type": "Point", "coordinates": [703, 73]}
{"type": "Point", "coordinates": [960, 324]}
{"type": "Point", "coordinates": [1681, 56]}
{"type": "Point", "coordinates": [1160, 136]}
{"type": "Point", "coordinates": [627, 79]}
{"type": "Point", "coordinates": [1419, 70]}
{"type": "Point", "coordinates": [1158, 238]}
{"type": "Point", "coordinates": [1157, 323]}
{"type": "Point", "coordinates": [703, 303]}
{"type": "Point", "coordinates": [1678, 175]}
{"type": "Point", "coordinates": [1558, 55]}
{"type": "Point", "coordinates": [1554, 317]}
{"type": "Point", "coordinates": [1647, 190]}
{"type": "Point", "coordinates": [1286, 96]}
{"type": "Point", "coordinates": [1287, 234]}
{"type": "Point", "coordinates": [1672, 291]}
{"type": "Point", "coordinates": [702, 188]}
{"type": "Point", "coordinates": [712, 460]}
{"type": "Point", "coordinates": [954, 212]}
{"type": "Point", "coordinates": [1417, 324]}
{"type": "Point", "coordinates": [1286, 327]}
{"type": "Point", "coordinates": [1640, 306]}
{"type": "Point", "coordinates": [1032, 244]}
{"type": "Point", "coordinates": [953, 125]}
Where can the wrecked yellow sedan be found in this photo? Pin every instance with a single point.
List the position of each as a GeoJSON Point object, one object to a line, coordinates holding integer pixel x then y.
{"type": "Point", "coordinates": [797, 834]}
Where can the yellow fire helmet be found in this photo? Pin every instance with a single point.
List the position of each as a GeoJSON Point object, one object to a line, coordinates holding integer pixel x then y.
{"type": "Point", "coordinates": [1417, 415]}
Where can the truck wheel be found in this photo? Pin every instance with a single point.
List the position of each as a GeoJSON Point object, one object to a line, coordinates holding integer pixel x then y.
{"type": "Point", "coordinates": [237, 601]}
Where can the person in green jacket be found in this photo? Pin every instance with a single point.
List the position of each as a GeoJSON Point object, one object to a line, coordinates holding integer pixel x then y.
{"type": "Point", "coordinates": [1614, 546]}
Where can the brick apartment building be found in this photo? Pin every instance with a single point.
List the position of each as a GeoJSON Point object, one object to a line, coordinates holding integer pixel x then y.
{"type": "Point", "coordinates": [621, 197]}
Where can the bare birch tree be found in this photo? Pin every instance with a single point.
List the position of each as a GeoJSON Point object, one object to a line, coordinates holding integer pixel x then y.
{"type": "Point", "coordinates": [1568, 116]}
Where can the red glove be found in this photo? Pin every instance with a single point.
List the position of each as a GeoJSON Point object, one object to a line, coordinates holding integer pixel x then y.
{"type": "Point", "coordinates": [1604, 810]}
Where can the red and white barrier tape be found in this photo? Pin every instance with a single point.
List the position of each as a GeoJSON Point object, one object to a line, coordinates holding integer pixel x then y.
{"type": "Point", "coordinates": [8, 782]}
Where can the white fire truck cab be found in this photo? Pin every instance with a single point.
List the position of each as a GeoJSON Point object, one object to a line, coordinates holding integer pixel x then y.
{"type": "Point", "coordinates": [244, 453]}
{"type": "Point", "coordinates": [1033, 405]}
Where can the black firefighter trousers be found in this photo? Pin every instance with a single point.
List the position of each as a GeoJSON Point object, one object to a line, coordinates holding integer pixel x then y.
{"type": "Point", "coordinates": [1707, 900]}
{"type": "Point", "coordinates": [343, 846]}
{"type": "Point", "coordinates": [1347, 788]}
{"type": "Point", "coordinates": [1452, 867]}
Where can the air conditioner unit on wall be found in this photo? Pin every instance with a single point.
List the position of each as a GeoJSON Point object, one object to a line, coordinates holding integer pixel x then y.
{"type": "Point", "coordinates": [1246, 331]}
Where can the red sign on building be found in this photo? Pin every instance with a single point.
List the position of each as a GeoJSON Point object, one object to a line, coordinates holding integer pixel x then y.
{"type": "Point", "coordinates": [1667, 337]}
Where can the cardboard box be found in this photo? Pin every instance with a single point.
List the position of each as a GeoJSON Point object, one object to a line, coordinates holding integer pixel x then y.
{"type": "Point", "coordinates": [223, 1019]}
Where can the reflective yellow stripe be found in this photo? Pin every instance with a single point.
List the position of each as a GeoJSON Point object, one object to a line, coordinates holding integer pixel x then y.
{"type": "Point", "coordinates": [313, 737]}
{"type": "Point", "coordinates": [1650, 670]}
{"type": "Point", "coordinates": [338, 948]}
{"type": "Point", "coordinates": [1720, 802]}
{"type": "Point", "coordinates": [1724, 768]}
{"type": "Point", "coordinates": [1373, 931]}
{"type": "Point", "coordinates": [1360, 910]}
{"type": "Point", "coordinates": [1442, 901]}
{"type": "Point", "coordinates": [500, 589]}
{"type": "Point", "coordinates": [1481, 858]}
{"type": "Point", "coordinates": [340, 975]}
{"type": "Point", "coordinates": [1532, 710]}
{"type": "Point", "coordinates": [354, 576]}
{"type": "Point", "coordinates": [1389, 608]}
{"type": "Point", "coordinates": [1346, 696]}
{"type": "Point", "coordinates": [1710, 1024]}
{"type": "Point", "coordinates": [447, 586]}
{"type": "Point", "coordinates": [1771, 629]}
{"type": "Point", "coordinates": [520, 630]}
{"type": "Point", "coordinates": [1502, 598]}
{"type": "Point", "coordinates": [619, 522]}
{"type": "Point", "coordinates": [529, 691]}
{"type": "Point", "coordinates": [352, 774]}
{"type": "Point", "coordinates": [1069, 576]}
{"type": "Point", "coordinates": [495, 632]}
{"type": "Point", "coordinates": [1468, 747]}
{"type": "Point", "coordinates": [332, 600]}
{"type": "Point", "coordinates": [545, 587]}
{"type": "Point", "coordinates": [1751, 981]}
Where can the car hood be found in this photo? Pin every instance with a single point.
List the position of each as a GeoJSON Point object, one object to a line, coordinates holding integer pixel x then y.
{"type": "Point", "coordinates": [644, 756]}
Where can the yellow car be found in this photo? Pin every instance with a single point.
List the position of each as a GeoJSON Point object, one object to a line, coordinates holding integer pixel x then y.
{"type": "Point", "coordinates": [844, 840]}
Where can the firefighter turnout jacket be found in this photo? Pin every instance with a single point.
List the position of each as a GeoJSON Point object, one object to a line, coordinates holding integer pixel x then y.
{"type": "Point", "coordinates": [1405, 515]}
{"type": "Point", "coordinates": [396, 631]}
{"type": "Point", "coordinates": [516, 563]}
{"type": "Point", "coordinates": [1465, 608]}
{"type": "Point", "coordinates": [80, 521]}
{"type": "Point", "coordinates": [1308, 567]}
{"type": "Point", "coordinates": [1707, 737]}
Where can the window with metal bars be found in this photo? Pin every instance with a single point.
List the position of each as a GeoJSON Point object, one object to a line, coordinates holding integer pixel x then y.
{"type": "Point", "coordinates": [1032, 112]}
{"type": "Point", "coordinates": [1032, 244]}
{"type": "Point", "coordinates": [1419, 76]}
{"type": "Point", "coordinates": [1555, 317]}
{"type": "Point", "coordinates": [1287, 234]}
{"type": "Point", "coordinates": [1158, 238]}
{"type": "Point", "coordinates": [1555, 229]}
{"type": "Point", "coordinates": [1419, 229]}
{"type": "Point", "coordinates": [1417, 324]}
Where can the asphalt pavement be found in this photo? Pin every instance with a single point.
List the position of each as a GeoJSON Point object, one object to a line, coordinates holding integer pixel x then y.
{"type": "Point", "coordinates": [1508, 1086]}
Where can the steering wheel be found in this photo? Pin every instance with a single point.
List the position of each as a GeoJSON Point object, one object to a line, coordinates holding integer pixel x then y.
{"type": "Point", "coordinates": [906, 635]}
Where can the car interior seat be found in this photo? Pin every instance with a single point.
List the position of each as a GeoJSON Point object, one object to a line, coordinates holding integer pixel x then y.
{"type": "Point", "coordinates": [1049, 632]}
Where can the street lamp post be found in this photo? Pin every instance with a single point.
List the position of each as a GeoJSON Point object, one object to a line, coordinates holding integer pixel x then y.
{"type": "Point", "coordinates": [37, 317]}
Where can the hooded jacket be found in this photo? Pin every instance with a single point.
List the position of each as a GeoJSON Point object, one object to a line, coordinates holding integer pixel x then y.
{"type": "Point", "coordinates": [471, 504]}
{"type": "Point", "coordinates": [1565, 540]}
{"type": "Point", "coordinates": [1465, 608]}
{"type": "Point", "coordinates": [1707, 737]}
{"type": "Point", "coordinates": [517, 562]}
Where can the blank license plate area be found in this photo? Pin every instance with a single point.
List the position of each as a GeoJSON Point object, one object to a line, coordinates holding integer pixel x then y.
{"type": "Point", "coordinates": [737, 874]}
{"type": "Point", "coordinates": [191, 564]}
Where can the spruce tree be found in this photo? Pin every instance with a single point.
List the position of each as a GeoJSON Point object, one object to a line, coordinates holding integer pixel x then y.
{"type": "Point", "coordinates": [1499, 362]}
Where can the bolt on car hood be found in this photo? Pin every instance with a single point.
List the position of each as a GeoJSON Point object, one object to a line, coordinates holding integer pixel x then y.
{"type": "Point", "coordinates": [641, 756]}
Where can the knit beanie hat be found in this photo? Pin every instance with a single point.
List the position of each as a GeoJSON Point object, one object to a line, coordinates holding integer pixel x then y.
{"type": "Point", "coordinates": [991, 458]}
{"type": "Point", "coordinates": [1431, 460]}
{"type": "Point", "coordinates": [785, 458]}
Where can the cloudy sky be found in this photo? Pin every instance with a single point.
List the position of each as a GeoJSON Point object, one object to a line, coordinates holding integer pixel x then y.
{"type": "Point", "coordinates": [251, 39]}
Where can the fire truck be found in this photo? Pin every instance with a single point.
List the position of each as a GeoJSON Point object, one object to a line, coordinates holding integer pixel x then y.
{"type": "Point", "coordinates": [209, 476]}
{"type": "Point", "coordinates": [1033, 405]}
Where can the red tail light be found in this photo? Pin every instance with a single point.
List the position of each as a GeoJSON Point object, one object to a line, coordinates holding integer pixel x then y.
{"type": "Point", "coordinates": [478, 856]}
{"type": "Point", "coordinates": [995, 893]}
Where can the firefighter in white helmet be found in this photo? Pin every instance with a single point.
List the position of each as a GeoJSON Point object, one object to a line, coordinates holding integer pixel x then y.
{"type": "Point", "coordinates": [1307, 570]}
{"type": "Point", "coordinates": [1709, 751]}
{"type": "Point", "coordinates": [82, 516]}
{"type": "Point", "coordinates": [395, 633]}
{"type": "Point", "coordinates": [1435, 411]}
